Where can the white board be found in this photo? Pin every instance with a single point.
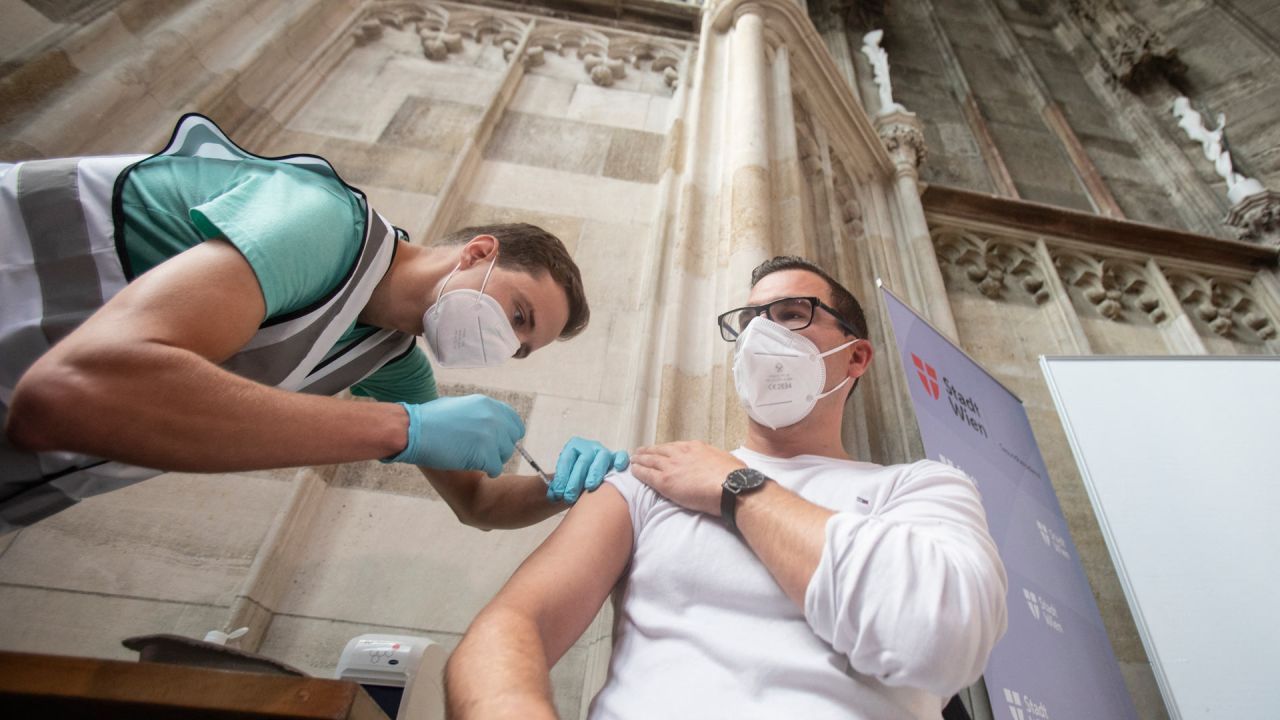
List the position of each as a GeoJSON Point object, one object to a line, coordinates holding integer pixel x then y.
{"type": "Point", "coordinates": [1181, 459]}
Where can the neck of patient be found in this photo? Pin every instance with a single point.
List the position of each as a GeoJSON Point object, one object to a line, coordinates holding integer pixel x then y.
{"type": "Point", "coordinates": [817, 434]}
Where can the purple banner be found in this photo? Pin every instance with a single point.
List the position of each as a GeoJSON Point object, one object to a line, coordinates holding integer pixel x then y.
{"type": "Point", "coordinates": [1055, 662]}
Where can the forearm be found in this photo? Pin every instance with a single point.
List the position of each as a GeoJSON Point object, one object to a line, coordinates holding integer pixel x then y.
{"type": "Point", "coordinates": [786, 532]}
{"type": "Point", "coordinates": [504, 502]}
{"type": "Point", "coordinates": [164, 407]}
{"type": "Point", "coordinates": [500, 669]}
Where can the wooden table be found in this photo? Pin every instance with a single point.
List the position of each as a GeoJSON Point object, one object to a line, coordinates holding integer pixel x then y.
{"type": "Point", "coordinates": [56, 686]}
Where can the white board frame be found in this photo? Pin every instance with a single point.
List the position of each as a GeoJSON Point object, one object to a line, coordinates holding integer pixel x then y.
{"type": "Point", "coordinates": [1158, 439]}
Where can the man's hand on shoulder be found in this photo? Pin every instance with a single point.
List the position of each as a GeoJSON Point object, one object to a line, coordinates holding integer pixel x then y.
{"type": "Point", "coordinates": [689, 473]}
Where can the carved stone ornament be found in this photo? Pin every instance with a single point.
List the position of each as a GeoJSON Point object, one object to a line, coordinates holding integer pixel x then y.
{"type": "Point", "coordinates": [852, 15]}
{"type": "Point", "coordinates": [1257, 218]}
{"type": "Point", "coordinates": [810, 154]}
{"type": "Point", "coordinates": [606, 56]}
{"type": "Point", "coordinates": [1110, 286]}
{"type": "Point", "coordinates": [991, 264]}
{"type": "Point", "coordinates": [1226, 307]}
{"type": "Point", "coordinates": [846, 200]}
{"type": "Point", "coordinates": [879, 59]}
{"type": "Point", "coordinates": [1132, 55]}
{"type": "Point", "coordinates": [903, 137]}
{"type": "Point", "coordinates": [441, 29]}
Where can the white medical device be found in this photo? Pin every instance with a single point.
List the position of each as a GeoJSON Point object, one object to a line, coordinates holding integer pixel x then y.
{"type": "Point", "coordinates": [403, 673]}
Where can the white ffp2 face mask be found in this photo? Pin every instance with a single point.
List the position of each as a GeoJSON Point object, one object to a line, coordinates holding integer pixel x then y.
{"type": "Point", "coordinates": [467, 328]}
{"type": "Point", "coordinates": [779, 374]}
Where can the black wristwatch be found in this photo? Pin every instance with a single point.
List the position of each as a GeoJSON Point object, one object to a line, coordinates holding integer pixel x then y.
{"type": "Point", "coordinates": [739, 482]}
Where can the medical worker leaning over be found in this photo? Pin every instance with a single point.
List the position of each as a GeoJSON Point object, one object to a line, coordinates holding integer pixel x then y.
{"type": "Point", "coordinates": [784, 579]}
{"type": "Point", "coordinates": [194, 310]}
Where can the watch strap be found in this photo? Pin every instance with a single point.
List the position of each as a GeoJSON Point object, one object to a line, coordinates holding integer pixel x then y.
{"type": "Point", "coordinates": [739, 482]}
{"type": "Point", "coordinates": [729, 510]}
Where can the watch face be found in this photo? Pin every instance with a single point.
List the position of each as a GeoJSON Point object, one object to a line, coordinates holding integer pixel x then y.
{"type": "Point", "coordinates": [745, 479]}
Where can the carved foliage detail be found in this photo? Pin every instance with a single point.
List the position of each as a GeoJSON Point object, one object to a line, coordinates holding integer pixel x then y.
{"type": "Point", "coordinates": [1227, 307]}
{"type": "Point", "coordinates": [846, 199]}
{"type": "Point", "coordinates": [992, 264]}
{"type": "Point", "coordinates": [440, 29]}
{"type": "Point", "coordinates": [810, 153]}
{"type": "Point", "coordinates": [606, 57]}
{"type": "Point", "coordinates": [1110, 286]}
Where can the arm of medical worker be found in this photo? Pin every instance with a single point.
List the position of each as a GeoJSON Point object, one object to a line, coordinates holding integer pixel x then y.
{"type": "Point", "coordinates": [507, 501]}
{"type": "Point", "coordinates": [139, 382]}
{"type": "Point", "coordinates": [501, 668]}
{"type": "Point", "coordinates": [512, 501]}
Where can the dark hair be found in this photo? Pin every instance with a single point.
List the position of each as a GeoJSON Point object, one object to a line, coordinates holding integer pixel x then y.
{"type": "Point", "coordinates": [842, 300]}
{"type": "Point", "coordinates": [529, 248]}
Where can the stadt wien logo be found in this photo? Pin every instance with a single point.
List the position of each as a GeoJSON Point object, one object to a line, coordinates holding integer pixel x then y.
{"type": "Point", "coordinates": [964, 406]}
{"type": "Point", "coordinates": [928, 376]}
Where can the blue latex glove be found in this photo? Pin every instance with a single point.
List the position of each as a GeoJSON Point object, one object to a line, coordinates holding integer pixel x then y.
{"type": "Point", "coordinates": [473, 432]}
{"type": "Point", "coordinates": [582, 466]}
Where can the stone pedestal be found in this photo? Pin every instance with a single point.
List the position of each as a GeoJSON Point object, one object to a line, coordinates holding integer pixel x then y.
{"type": "Point", "coordinates": [1257, 218]}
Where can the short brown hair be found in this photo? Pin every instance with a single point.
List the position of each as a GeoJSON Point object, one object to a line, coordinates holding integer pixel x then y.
{"type": "Point", "coordinates": [842, 300]}
{"type": "Point", "coordinates": [530, 249]}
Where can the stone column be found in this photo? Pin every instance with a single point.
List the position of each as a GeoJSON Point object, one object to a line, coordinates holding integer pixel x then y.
{"type": "Point", "coordinates": [747, 168]}
{"type": "Point", "coordinates": [829, 19]}
{"type": "Point", "coordinates": [1180, 333]}
{"type": "Point", "coordinates": [903, 136]}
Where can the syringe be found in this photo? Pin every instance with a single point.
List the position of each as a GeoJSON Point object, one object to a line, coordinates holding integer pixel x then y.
{"type": "Point", "coordinates": [529, 459]}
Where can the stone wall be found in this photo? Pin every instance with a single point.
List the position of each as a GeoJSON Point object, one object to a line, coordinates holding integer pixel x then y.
{"type": "Point", "coordinates": [670, 165]}
{"type": "Point", "coordinates": [1070, 104]}
{"type": "Point", "coordinates": [446, 115]}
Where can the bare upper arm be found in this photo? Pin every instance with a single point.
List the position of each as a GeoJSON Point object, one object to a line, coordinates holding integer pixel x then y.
{"type": "Point", "coordinates": [563, 584]}
{"type": "Point", "coordinates": [206, 300]}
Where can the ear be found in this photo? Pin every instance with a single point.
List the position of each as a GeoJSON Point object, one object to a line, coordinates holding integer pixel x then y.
{"type": "Point", "coordinates": [860, 358]}
{"type": "Point", "coordinates": [479, 249]}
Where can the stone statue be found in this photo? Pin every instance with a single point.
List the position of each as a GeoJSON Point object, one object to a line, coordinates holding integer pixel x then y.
{"type": "Point", "coordinates": [1239, 187]}
{"type": "Point", "coordinates": [880, 65]}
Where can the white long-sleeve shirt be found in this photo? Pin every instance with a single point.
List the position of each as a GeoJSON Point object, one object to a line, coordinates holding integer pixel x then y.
{"type": "Point", "coordinates": [903, 610]}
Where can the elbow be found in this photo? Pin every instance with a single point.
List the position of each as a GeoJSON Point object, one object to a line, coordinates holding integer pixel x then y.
{"type": "Point", "coordinates": [940, 641]}
{"type": "Point", "coordinates": [470, 515]}
{"type": "Point", "coordinates": [956, 643]}
{"type": "Point", "coordinates": [41, 410]}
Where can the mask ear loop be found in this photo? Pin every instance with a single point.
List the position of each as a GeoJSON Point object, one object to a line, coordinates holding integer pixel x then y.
{"type": "Point", "coordinates": [488, 272]}
{"type": "Point", "coordinates": [846, 379]}
{"type": "Point", "coordinates": [446, 281]}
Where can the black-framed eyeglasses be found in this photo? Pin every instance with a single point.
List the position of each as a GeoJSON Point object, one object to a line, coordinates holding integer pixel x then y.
{"type": "Point", "coordinates": [792, 313]}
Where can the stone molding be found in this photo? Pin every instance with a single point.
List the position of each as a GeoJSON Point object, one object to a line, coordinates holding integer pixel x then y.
{"type": "Point", "coordinates": [1118, 287]}
{"type": "Point", "coordinates": [943, 203]}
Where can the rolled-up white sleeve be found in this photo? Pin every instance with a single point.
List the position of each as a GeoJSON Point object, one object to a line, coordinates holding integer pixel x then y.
{"type": "Point", "coordinates": [913, 593]}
